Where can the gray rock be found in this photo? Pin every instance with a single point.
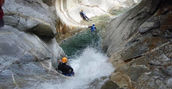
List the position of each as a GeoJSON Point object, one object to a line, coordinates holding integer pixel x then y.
{"type": "Point", "coordinates": [25, 57]}
{"type": "Point", "coordinates": [144, 58]}
{"type": "Point", "coordinates": [121, 29]}
{"type": "Point", "coordinates": [152, 80]}
{"type": "Point", "coordinates": [168, 70]}
{"type": "Point", "coordinates": [24, 15]}
{"type": "Point", "coordinates": [151, 23]}
{"type": "Point", "coordinates": [146, 27]}
{"type": "Point", "coordinates": [42, 31]}
{"type": "Point", "coordinates": [156, 32]}
{"type": "Point", "coordinates": [110, 85]}
{"type": "Point", "coordinates": [169, 82]}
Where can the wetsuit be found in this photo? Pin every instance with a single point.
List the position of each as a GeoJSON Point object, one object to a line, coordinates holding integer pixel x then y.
{"type": "Point", "coordinates": [93, 28]}
{"type": "Point", "coordinates": [65, 69]}
{"type": "Point", "coordinates": [84, 16]}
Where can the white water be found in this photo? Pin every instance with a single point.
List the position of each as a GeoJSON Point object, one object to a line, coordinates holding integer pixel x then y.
{"type": "Point", "coordinates": [88, 67]}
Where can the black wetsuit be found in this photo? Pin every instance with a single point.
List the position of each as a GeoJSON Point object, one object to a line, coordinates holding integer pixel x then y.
{"type": "Point", "coordinates": [65, 69]}
{"type": "Point", "coordinates": [84, 16]}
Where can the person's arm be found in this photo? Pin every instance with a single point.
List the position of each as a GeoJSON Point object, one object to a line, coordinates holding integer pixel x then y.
{"type": "Point", "coordinates": [71, 69]}
{"type": "Point", "coordinates": [89, 26]}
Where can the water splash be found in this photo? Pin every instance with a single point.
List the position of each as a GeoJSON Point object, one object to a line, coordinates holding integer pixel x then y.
{"type": "Point", "coordinates": [91, 65]}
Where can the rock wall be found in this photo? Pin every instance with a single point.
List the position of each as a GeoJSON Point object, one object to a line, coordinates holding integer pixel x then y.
{"type": "Point", "coordinates": [68, 10]}
{"type": "Point", "coordinates": [71, 21]}
{"type": "Point", "coordinates": [28, 48]}
{"type": "Point", "coordinates": [139, 45]}
{"type": "Point", "coordinates": [31, 15]}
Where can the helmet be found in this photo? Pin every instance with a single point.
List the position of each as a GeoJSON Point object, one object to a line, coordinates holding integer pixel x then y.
{"type": "Point", "coordinates": [93, 24]}
{"type": "Point", "coordinates": [64, 60]}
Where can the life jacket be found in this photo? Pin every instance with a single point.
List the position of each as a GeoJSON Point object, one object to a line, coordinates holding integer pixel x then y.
{"type": "Point", "coordinates": [65, 69]}
{"type": "Point", "coordinates": [93, 28]}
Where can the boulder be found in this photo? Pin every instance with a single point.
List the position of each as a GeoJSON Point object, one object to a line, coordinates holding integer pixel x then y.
{"type": "Point", "coordinates": [29, 14]}
{"type": "Point", "coordinates": [110, 85]}
{"type": "Point", "coordinates": [24, 56]}
{"type": "Point", "coordinates": [28, 49]}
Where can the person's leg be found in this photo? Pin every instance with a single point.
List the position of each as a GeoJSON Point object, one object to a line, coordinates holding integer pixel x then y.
{"type": "Point", "coordinates": [92, 29]}
{"type": "Point", "coordinates": [84, 17]}
{"type": "Point", "coordinates": [1, 22]}
{"type": "Point", "coordinates": [87, 18]}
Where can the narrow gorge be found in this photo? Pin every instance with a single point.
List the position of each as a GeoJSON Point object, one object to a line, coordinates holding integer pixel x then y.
{"type": "Point", "coordinates": [130, 49]}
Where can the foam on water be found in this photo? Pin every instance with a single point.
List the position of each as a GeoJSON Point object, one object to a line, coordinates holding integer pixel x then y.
{"type": "Point", "coordinates": [88, 67]}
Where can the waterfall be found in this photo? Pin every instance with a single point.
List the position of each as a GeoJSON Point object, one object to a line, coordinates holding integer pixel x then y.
{"type": "Point", "coordinates": [90, 67]}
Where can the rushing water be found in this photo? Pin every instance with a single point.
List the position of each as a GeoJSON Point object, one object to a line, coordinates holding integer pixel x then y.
{"type": "Point", "coordinates": [90, 64]}
{"type": "Point", "coordinates": [90, 67]}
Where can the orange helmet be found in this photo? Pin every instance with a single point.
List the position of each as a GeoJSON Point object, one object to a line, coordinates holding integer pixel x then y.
{"type": "Point", "coordinates": [64, 60]}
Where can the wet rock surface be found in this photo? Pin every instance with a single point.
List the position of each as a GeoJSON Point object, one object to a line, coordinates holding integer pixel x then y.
{"type": "Point", "coordinates": [141, 53]}
{"type": "Point", "coordinates": [24, 58]}
{"type": "Point", "coordinates": [28, 49]}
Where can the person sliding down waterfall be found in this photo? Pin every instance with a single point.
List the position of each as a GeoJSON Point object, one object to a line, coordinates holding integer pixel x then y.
{"type": "Point", "coordinates": [64, 68]}
{"type": "Point", "coordinates": [93, 28]}
{"type": "Point", "coordinates": [84, 16]}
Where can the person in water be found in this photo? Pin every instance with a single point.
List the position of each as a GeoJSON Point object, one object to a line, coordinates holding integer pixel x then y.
{"type": "Point", "coordinates": [1, 13]}
{"type": "Point", "coordinates": [92, 28]}
{"type": "Point", "coordinates": [64, 68]}
{"type": "Point", "coordinates": [83, 15]}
